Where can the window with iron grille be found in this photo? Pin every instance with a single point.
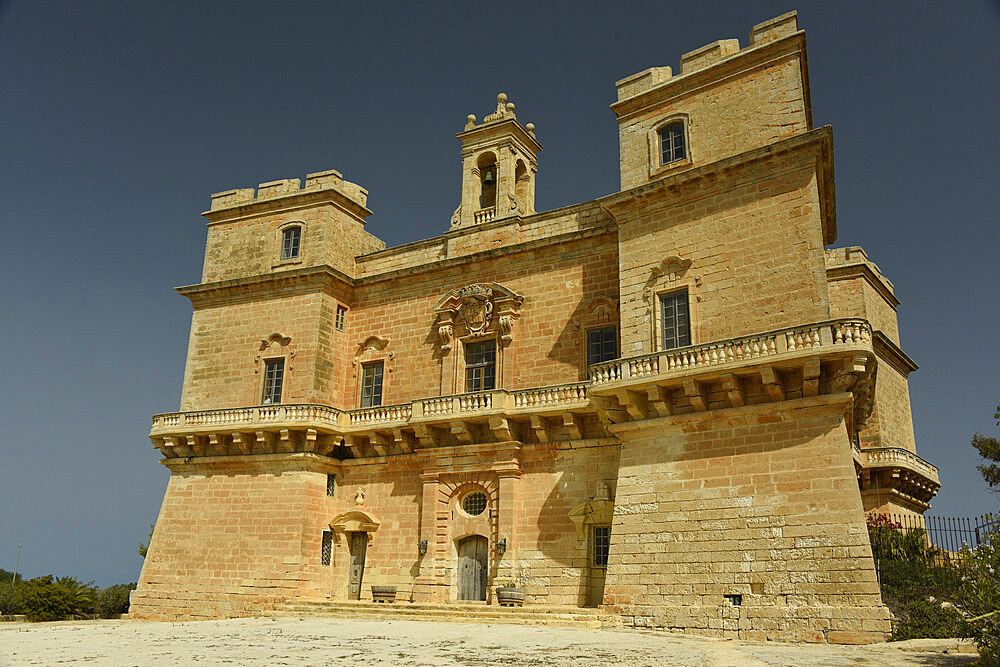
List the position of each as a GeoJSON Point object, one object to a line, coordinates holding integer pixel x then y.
{"type": "Point", "coordinates": [601, 541]}
{"type": "Point", "coordinates": [327, 552]}
{"type": "Point", "coordinates": [341, 318]}
{"type": "Point", "coordinates": [602, 344]}
{"type": "Point", "coordinates": [474, 504]}
{"type": "Point", "coordinates": [675, 321]}
{"type": "Point", "coordinates": [672, 143]}
{"type": "Point", "coordinates": [331, 484]}
{"type": "Point", "coordinates": [371, 384]}
{"type": "Point", "coordinates": [290, 239]}
{"type": "Point", "coordinates": [481, 366]}
{"type": "Point", "coordinates": [274, 376]}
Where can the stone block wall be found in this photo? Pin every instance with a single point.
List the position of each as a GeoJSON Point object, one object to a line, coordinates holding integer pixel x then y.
{"type": "Point", "coordinates": [760, 502]}
{"type": "Point", "coordinates": [227, 542]}
{"type": "Point", "coordinates": [755, 242]}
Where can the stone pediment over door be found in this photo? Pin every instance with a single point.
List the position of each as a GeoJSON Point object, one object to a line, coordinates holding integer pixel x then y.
{"type": "Point", "coordinates": [477, 310]}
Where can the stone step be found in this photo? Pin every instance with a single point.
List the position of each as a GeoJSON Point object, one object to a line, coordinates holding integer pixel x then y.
{"type": "Point", "coordinates": [458, 612]}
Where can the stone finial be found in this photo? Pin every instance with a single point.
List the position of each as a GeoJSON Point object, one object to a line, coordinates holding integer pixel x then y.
{"type": "Point", "coordinates": [503, 111]}
{"type": "Point", "coordinates": [530, 127]}
{"type": "Point", "coordinates": [470, 121]}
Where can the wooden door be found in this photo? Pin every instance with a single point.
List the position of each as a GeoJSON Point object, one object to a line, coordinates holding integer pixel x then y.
{"type": "Point", "coordinates": [472, 567]}
{"type": "Point", "coordinates": [359, 545]}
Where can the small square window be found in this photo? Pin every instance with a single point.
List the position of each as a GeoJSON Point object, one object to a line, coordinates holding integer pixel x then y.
{"type": "Point", "coordinates": [341, 318]}
{"type": "Point", "coordinates": [601, 544]}
{"type": "Point", "coordinates": [326, 556]}
{"type": "Point", "coordinates": [274, 377]}
{"type": "Point", "coordinates": [602, 344]}
{"type": "Point", "coordinates": [371, 384]}
{"type": "Point", "coordinates": [290, 239]}
{"type": "Point", "coordinates": [331, 485]}
{"type": "Point", "coordinates": [481, 366]}
{"type": "Point", "coordinates": [675, 320]}
{"type": "Point", "coordinates": [672, 143]}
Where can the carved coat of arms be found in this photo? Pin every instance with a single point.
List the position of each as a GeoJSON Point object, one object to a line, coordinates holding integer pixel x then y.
{"type": "Point", "coordinates": [476, 307]}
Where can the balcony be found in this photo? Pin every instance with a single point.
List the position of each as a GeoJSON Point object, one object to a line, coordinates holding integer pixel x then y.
{"type": "Point", "coordinates": [484, 215]}
{"type": "Point", "coordinates": [899, 473]}
{"type": "Point", "coordinates": [799, 362]}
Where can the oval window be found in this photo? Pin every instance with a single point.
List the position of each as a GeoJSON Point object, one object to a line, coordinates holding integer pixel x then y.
{"type": "Point", "coordinates": [474, 503]}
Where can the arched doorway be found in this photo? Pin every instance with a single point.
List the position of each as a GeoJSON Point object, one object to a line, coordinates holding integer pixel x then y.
{"type": "Point", "coordinates": [473, 563]}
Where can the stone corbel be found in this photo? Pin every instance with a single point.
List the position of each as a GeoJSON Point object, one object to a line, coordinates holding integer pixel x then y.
{"type": "Point", "coordinates": [446, 333]}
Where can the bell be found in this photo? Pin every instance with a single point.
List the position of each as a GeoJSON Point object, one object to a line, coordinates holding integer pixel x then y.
{"type": "Point", "coordinates": [489, 177]}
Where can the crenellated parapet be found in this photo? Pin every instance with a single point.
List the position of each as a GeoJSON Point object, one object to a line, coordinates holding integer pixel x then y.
{"type": "Point", "coordinates": [322, 181]}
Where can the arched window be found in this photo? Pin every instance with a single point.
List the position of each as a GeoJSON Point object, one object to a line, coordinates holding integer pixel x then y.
{"type": "Point", "coordinates": [291, 238]}
{"type": "Point", "coordinates": [672, 143]}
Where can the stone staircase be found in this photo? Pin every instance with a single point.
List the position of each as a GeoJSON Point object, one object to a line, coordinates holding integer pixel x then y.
{"type": "Point", "coordinates": [454, 612]}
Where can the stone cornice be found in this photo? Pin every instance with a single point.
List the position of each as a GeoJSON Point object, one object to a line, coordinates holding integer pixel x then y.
{"type": "Point", "coordinates": [862, 270]}
{"type": "Point", "coordinates": [306, 279]}
{"type": "Point", "coordinates": [747, 59]}
{"type": "Point", "coordinates": [820, 140]}
{"type": "Point", "coordinates": [886, 349]}
{"type": "Point", "coordinates": [490, 132]}
{"type": "Point", "coordinates": [288, 202]}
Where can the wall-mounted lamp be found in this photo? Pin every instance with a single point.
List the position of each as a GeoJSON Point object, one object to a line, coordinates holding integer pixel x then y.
{"type": "Point", "coordinates": [502, 546]}
{"type": "Point", "coordinates": [422, 547]}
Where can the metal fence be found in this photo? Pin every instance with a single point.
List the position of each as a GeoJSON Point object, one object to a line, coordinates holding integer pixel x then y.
{"type": "Point", "coordinates": [947, 535]}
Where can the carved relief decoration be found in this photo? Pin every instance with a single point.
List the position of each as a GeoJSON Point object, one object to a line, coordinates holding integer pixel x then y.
{"type": "Point", "coordinates": [272, 347]}
{"type": "Point", "coordinates": [372, 349]}
{"type": "Point", "coordinates": [599, 510]}
{"type": "Point", "coordinates": [670, 270]}
{"type": "Point", "coordinates": [601, 310]}
{"type": "Point", "coordinates": [477, 310]}
{"type": "Point", "coordinates": [354, 521]}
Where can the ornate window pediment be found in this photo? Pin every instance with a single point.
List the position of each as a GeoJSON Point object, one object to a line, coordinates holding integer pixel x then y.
{"type": "Point", "coordinates": [354, 521]}
{"type": "Point", "coordinates": [477, 310]}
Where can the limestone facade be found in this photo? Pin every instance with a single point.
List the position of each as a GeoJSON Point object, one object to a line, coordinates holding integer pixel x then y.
{"type": "Point", "coordinates": [673, 401]}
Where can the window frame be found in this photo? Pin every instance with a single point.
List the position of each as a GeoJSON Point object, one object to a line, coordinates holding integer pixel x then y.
{"type": "Point", "coordinates": [340, 318]}
{"type": "Point", "coordinates": [656, 165]}
{"type": "Point", "coordinates": [661, 328]}
{"type": "Point", "coordinates": [331, 485]}
{"type": "Point", "coordinates": [368, 394]}
{"type": "Point", "coordinates": [602, 327]}
{"type": "Point", "coordinates": [604, 542]}
{"type": "Point", "coordinates": [326, 549]}
{"type": "Point", "coordinates": [492, 365]}
{"type": "Point", "coordinates": [267, 396]}
{"type": "Point", "coordinates": [677, 139]}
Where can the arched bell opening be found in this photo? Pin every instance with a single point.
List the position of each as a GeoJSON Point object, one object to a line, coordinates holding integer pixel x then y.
{"type": "Point", "coordinates": [487, 165]}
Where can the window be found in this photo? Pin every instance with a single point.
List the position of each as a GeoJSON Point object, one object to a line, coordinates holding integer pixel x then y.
{"type": "Point", "coordinates": [274, 376]}
{"type": "Point", "coordinates": [371, 384]}
{"type": "Point", "coordinates": [672, 143]}
{"type": "Point", "coordinates": [674, 320]}
{"type": "Point", "coordinates": [341, 318]}
{"type": "Point", "coordinates": [601, 542]}
{"type": "Point", "coordinates": [327, 553]}
{"type": "Point", "coordinates": [602, 344]}
{"type": "Point", "coordinates": [474, 504]}
{"type": "Point", "coordinates": [290, 239]}
{"type": "Point", "coordinates": [331, 485]}
{"type": "Point", "coordinates": [481, 366]}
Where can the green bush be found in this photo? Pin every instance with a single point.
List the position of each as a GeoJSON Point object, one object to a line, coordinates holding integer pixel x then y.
{"type": "Point", "coordinates": [46, 600]}
{"type": "Point", "coordinates": [980, 573]}
{"type": "Point", "coordinates": [11, 598]}
{"type": "Point", "coordinates": [113, 600]}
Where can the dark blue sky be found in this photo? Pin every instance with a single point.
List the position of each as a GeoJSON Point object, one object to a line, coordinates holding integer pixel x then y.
{"type": "Point", "coordinates": [118, 120]}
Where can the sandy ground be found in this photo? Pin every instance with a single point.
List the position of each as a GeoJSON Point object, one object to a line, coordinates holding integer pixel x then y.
{"type": "Point", "coordinates": [337, 641]}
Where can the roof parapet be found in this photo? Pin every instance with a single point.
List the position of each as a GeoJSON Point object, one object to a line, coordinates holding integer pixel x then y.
{"type": "Point", "coordinates": [321, 180]}
{"type": "Point", "coordinates": [708, 55]}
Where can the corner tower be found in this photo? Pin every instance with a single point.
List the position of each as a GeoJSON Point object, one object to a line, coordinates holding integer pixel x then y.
{"type": "Point", "coordinates": [499, 164]}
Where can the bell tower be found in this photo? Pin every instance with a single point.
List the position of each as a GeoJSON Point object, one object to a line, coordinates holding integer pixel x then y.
{"type": "Point", "coordinates": [499, 165]}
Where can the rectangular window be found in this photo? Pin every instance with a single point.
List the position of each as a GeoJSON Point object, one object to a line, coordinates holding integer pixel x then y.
{"type": "Point", "coordinates": [371, 384]}
{"type": "Point", "coordinates": [672, 143]}
{"type": "Point", "coordinates": [290, 242]}
{"type": "Point", "coordinates": [327, 554]}
{"type": "Point", "coordinates": [602, 344]}
{"type": "Point", "coordinates": [481, 366]}
{"type": "Point", "coordinates": [274, 376]}
{"type": "Point", "coordinates": [674, 320]}
{"type": "Point", "coordinates": [341, 318]}
{"type": "Point", "coordinates": [331, 485]}
{"type": "Point", "coordinates": [602, 542]}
